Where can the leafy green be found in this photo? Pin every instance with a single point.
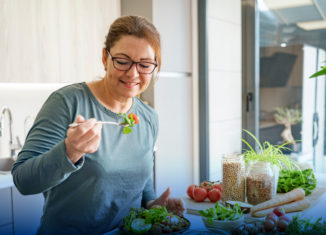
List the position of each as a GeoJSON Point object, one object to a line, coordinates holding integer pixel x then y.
{"type": "Point", "coordinates": [129, 120]}
{"type": "Point", "coordinates": [320, 72]}
{"type": "Point", "coordinates": [127, 220]}
{"type": "Point", "coordinates": [157, 215]}
{"type": "Point", "coordinates": [305, 226]}
{"type": "Point", "coordinates": [220, 212]}
{"type": "Point", "coordinates": [291, 179]}
{"type": "Point", "coordinates": [268, 153]}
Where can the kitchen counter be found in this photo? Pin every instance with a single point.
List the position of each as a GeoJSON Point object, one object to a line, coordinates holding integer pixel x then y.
{"type": "Point", "coordinates": [6, 180]}
{"type": "Point", "coordinates": [315, 211]}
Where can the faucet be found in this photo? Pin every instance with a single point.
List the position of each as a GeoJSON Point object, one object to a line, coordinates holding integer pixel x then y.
{"type": "Point", "coordinates": [12, 146]}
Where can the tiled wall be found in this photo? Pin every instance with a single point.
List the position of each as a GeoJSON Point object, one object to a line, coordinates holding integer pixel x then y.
{"type": "Point", "coordinates": [224, 55]}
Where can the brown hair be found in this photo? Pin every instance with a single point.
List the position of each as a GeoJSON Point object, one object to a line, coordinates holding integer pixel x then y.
{"type": "Point", "coordinates": [136, 26]}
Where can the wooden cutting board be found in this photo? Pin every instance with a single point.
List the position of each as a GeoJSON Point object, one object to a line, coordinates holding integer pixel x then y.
{"type": "Point", "coordinates": [193, 207]}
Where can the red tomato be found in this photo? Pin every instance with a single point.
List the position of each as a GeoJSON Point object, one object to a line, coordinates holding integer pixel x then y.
{"type": "Point", "coordinates": [199, 194]}
{"type": "Point", "coordinates": [214, 195]}
{"type": "Point", "coordinates": [206, 185]}
{"type": "Point", "coordinates": [190, 190]}
{"type": "Point", "coordinates": [217, 186]}
{"type": "Point", "coordinates": [134, 116]}
{"type": "Point", "coordinates": [279, 211]}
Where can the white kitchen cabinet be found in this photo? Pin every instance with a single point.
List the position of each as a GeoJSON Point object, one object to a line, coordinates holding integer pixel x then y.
{"type": "Point", "coordinates": [27, 212]}
{"type": "Point", "coordinates": [5, 211]}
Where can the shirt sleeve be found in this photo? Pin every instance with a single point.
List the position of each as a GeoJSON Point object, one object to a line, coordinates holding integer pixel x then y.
{"type": "Point", "coordinates": [148, 192]}
{"type": "Point", "coordinates": [43, 163]}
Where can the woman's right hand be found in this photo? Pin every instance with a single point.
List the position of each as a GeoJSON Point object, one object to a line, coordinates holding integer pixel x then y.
{"type": "Point", "coordinates": [83, 139]}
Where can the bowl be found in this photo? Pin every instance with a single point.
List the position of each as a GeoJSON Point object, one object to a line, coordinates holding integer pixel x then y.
{"type": "Point", "coordinates": [226, 225]}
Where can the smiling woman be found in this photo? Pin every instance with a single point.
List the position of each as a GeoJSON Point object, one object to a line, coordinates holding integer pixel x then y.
{"type": "Point", "coordinates": [91, 175]}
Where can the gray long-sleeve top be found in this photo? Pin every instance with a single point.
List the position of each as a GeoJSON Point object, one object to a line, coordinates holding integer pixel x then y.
{"type": "Point", "coordinates": [93, 196]}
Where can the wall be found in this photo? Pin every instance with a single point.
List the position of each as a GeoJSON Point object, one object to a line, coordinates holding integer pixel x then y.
{"type": "Point", "coordinates": [45, 45]}
{"type": "Point", "coordinates": [172, 94]}
{"type": "Point", "coordinates": [24, 101]}
{"type": "Point", "coordinates": [224, 56]}
{"type": "Point", "coordinates": [53, 41]}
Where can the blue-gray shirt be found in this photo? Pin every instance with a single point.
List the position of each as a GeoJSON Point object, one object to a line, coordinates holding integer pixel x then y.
{"type": "Point", "coordinates": [93, 196]}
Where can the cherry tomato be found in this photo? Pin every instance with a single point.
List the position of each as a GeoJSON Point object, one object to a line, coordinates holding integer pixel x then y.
{"type": "Point", "coordinates": [199, 194]}
{"type": "Point", "coordinates": [272, 216]}
{"type": "Point", "coordinates": [190, 190]}
{"type": "Point", "coordinates": [214, 195]}
{"type": "Point", "coordinates": [134, 116]}
{"type": "Point", "coordinates": [269, 225]}
{"type": "Point", "coordinates": [217, 186]}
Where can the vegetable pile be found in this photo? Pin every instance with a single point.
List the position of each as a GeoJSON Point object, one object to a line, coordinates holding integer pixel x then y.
{"type": "Point", "coordinates": [305, 226]}
{"type": "Point", "coordinates": [222, 213]}
{"type": "Point", "coordinates": [206, 189]}
{"type": "Point", "coordinates": [291, 179]}
{"type": "Point", "coordinates": [130, 120]}
{"type": "Point", "coordinates": [154, 221]}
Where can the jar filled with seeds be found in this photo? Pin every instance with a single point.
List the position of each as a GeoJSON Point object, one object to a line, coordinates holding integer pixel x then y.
{"type": "Point", "coordinates": [233, 170]}
{"type": "Point", "coordinates": [260, 185]}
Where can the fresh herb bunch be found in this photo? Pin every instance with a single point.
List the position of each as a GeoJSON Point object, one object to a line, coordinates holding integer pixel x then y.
{"type": "Point", "coordinates": [130, 120]}
{"type": "Point", "coordinates": [304, 226]}
{"type": "Point", "coordinates": [268, 153]}
{"type": "Point", "coordinates": [291, 179]}
{"type": "Point", "coordinates": [222, 213]}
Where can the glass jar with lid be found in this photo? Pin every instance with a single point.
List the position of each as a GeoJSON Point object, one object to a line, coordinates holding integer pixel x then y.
{"type": "Point", "coordinates": [233, 177]}
{"type": "Point", "coordinates": [260, 182]}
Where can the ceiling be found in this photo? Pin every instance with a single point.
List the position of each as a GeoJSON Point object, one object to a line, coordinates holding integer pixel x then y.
{"type": "Point", "coordinates": [280, 22]}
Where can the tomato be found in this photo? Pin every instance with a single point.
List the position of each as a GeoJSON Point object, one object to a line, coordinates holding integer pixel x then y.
{"type": "Point", "coordinates": [214, 195]}
{"type": "Point", "coordinates": [279, 211]}
{"type": "Point", "coordinates": [217, 186]}
{"type": "Point", "coordinates": [134, 116]}
{"type": "Point", "coordinates": [272, 216]}
{"type": "Point", "coordinates": [206, 185]}
{"type": "Point", "coordinates": [282, 225]}
{"type": "Point", "coordinates": [269, 225]}
{"type": "Point", "coordinates": [286, 218]}
{"type": "Point", "coordinates": [190, 190]}
{"type": "Point", "coordinates": [199, 194]}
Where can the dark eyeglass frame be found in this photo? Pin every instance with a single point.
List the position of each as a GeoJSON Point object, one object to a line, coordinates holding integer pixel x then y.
{"type": "Point", "coordinates": [113, 58]}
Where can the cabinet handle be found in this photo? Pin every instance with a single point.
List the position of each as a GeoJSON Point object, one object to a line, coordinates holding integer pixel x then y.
{"type": "Point", "coordinates": [248, 100]}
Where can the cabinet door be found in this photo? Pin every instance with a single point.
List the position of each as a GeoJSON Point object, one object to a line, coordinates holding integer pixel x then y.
{"type": "Point", "coordinates": [27, 212]}
{"type": "Point", "coordinates": [6, 230]}
{"type": "Point", "coordinates": [5, 207]}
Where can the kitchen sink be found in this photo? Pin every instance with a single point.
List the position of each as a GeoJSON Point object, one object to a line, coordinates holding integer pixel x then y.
{"type": "Point", "coordinates": [6, 164]}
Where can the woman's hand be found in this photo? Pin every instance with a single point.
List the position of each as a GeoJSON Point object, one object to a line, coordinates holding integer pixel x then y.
{"type": "Point", "coordinates": [175, 205]}
{"type": "Point", "coordinates": [83, 139]}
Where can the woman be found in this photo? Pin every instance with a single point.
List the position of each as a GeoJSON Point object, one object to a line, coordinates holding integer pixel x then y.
{"type": "Point", "coordinates": [91, 174]}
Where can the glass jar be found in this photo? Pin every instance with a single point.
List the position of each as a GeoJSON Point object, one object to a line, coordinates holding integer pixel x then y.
{"type": "Point", "coordinates": [260, 182]}
{"type": "Point", "coordinates": [233, 171]}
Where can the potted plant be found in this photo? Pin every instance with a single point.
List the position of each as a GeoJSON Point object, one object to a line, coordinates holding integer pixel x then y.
{"type": "Point", "coordinates": [288, 117]}
{"type": "Point", "coordinates": [320, 72]}
{"type": "Point", "coordinates": [262, 169]}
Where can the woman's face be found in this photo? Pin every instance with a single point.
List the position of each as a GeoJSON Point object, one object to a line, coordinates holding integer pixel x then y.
{"type": "Point", "coordinates": [127, 84]}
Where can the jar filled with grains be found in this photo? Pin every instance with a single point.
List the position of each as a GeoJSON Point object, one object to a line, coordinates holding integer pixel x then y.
{"type": "Point", "coordinates": [233, 170]}
{"type": "Point", "coordinates": [259, 182]}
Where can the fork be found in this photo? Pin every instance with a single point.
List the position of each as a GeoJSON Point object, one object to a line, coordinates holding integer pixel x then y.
{"type": "Point", "coordinates": [98, 122]}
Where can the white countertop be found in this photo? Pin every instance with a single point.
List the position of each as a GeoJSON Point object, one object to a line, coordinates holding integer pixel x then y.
{"type": "Point", "coordinates": [6, 180]}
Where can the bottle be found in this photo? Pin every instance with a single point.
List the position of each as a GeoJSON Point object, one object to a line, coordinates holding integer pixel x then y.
{"type": "Point", "coordinates": [233, 171]}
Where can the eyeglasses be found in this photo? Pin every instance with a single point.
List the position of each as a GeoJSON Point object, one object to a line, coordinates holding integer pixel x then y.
{"type": "Point", "coordinates": [124, 64]}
